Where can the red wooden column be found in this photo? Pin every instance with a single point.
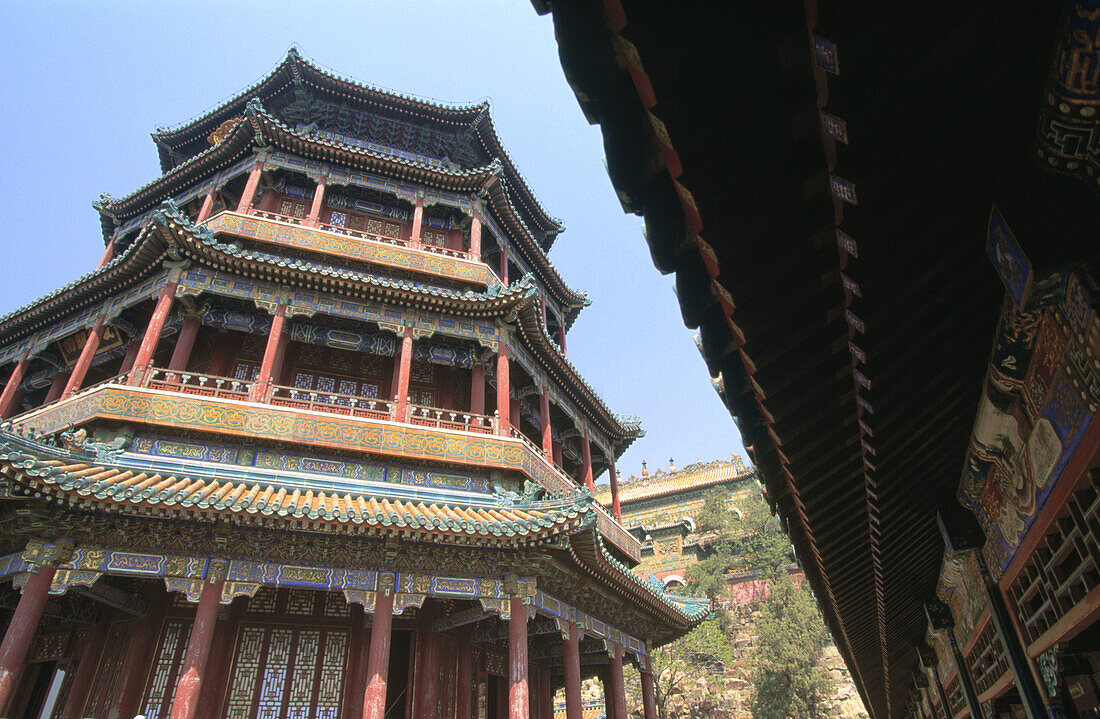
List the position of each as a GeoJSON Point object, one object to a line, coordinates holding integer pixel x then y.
{"type": "Point", "coordinates": [504, 400]}
{"type": "Point", "coordinates": [546, 692]}
{"type": "Point", "coordinates": [547, 433]}
{"type": "Point", "coordinates": [586, 457]}
{"type": "Point", "coordinates": [130, 357]}
{"type": "Point", "coordinates": [57, 386]}
{"type": "Point", "coordinates": [561, 336]}
{"type": "Point", "coordinates": [314, 217]}
{"type": "Point", "coordinates": [108, 253]}
{"type": "Point", "coordinates": [649, 694]}
{"type": "Point", "coordinates": [221, 657]}
{"type": "Point", "coordinates": [245, 205]}
{"type": "Point", "coordinates": [181, 353]}
{"type": "Point", "coordinates": [572, 657]}
{"type": "Point", "coordinates": [207, 206]}
{"type": "Point", "coordinates": [84, 361]}
{"type": "Point", "coordinates": [519, 699]}
{"type": "Point", "coordinates": [152, 334]}
{"type": "Point", "coordinates": [503, 263]}
{"type": "Point", "coordinates": [356, 684]}
{"type": "Point", "coordinates": [427, 666]}
{"type": "Point", "coordinates": [475, 236]}
{"type": "Point", "coordinates": [556, 445]}
{"type": "Point", "coordinates": [464, 678]}
{"type": "Point", "coordinates": [378, 664]}
{"type": "Point", "coordinates": [268, 369]}
{"type": "Point", "coordinates": [402, 371]}
{"type": "Point", "coordinates": [20, 633]}
{"type": "Point", "coordinates": [477, 389]}
{"type": "Point", "coordinates": [86, 666]}
{"type": "Point", "coordinates": [186, 699]}
{"type": "Point", "coordinates": [615, 508]}
{"type": "Point", "coordinates": [618, 688]}
{"type": "Point", "coordinates": [418, 220]}
{"type": "Point", "coordinates": [7, 398]}
{"type": "Point", "coordinates": [140, 651]}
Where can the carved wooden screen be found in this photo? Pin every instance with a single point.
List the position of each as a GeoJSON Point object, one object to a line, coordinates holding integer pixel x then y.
{"type": "Point", "coordinates": [286, 672]}
{"type": "Point", "coordinates": [166, 667]}
{"type": "Point", "coordinates": [105, 687]}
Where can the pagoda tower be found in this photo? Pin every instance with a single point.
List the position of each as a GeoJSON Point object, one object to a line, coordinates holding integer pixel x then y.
{"type": "Point", "coordinates": [306, 443]}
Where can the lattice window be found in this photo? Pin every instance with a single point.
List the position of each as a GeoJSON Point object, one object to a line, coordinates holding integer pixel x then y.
{"type": "Point", "coordinates": [263, 601]}
{"type": "Point", "coordinates": [253, 346]}
{"type": "Point", "coordinates": [339, 219]}
{"type": "Point", "coordinates": [422, 373]}
{"type": "Point", "coordinates": [273, 683]}
{"type": "Point", "coordinates": [371, 366]}
{"type": "Point", "coordinates": [374, 226]}
{"type": "Point", "coordinates": [1065, 566]}
{"type": "Point", "coordinates": [955, 696]}
{"type": "Point", "coordinates": [166, 666]}
{"type": "Point", "coordinates": [434, 238]}
{"type": "Point", "coordinates": [105, 686]}
{"type": "Point", "coordinates": [49, 647]}
{"type": "Point", "coordinates": [342, 360]}
{"type": "Point", "coordinates": [300, 602]}
{"type": "Point", "coordinates": [392, 230]}
{"type": "Point", "coordinates": [290, 208]}
{"type": "Point", "coordinates": [299, 699]}
{"type": "Point", "coordinates": [326, 384]}
{"type": "Point", "coordinates": [336, 605]}
{"type": "Point", "coordinates": [303, 380]}
{"type": "Point", "coordinates": [330, 687]}
{"type": "Point", "coordinates": [246, 667]}
{"type": "Point", "coordinates": [312, 355]}
{"type": "Point", "coordinates": [987, 659]}
{"type": "Point", "coordinates": [355, 222]}
{"type": "Point", "coordinates": [246, 371]}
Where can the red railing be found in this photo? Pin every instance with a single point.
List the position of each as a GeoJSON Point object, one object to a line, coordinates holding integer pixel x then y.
{"type": "Point", "coordinates": [278, 218]}
{"type": "Point", "coordinates": [332, 402]}
{"type": "Point", "coordinates": [425, 416]}
{"type": "Point", "coordinates": [204, 385]}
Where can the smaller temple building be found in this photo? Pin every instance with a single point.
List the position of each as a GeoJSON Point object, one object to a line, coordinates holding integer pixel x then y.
{"type": "Point", "coordinates": [660, 510]}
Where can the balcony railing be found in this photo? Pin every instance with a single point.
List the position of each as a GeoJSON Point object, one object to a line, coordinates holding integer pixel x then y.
{"type": "Point", "coordinates": [204, 385]}
{"type": "Point", "coordinates": [333, 403]}
{"type": "Point", "coordinates": [361, 235]}
{"type": "Point", "coordinates": [425, 416]}
{"type": "Point", "coordinates": [478, 429]}
{"type": "Point", "coordinates": [279, 218]}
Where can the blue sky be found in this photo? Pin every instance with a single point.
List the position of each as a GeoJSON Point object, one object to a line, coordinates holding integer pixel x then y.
{"type": "Point", "coordinates": [87, 82]}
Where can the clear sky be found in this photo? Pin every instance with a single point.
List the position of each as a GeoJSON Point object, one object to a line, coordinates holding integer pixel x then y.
{"type": "Point", "coordinates": [85, 84]}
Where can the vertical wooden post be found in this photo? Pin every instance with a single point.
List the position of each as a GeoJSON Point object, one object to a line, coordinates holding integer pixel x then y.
{"type": "Point", "coordinates": [649, 694]}
{"type": "Point", "coordinates": [547, 433]}
{"type": "Point", "coordinates": [84, 361]}
{"type": "Point", "coordinates": [356, 684]}
{"type": "Point", "coordinates": [475, 235]}
{"type": "Point", "coordinates": [464, 679]}
{"type": "Point", "coordinates": [186, 698]}
{"type": "Point", "coordinates": [57, 386]}
{"type": "Point", "coordinates": [245, 205]}
{"type": "Point", "coordinates": [504, 399]}
{"type": "Point", "coordinates": [108, 253]}
{"type": "Point", "coordinates": [546, 692]}
{"type": "Point", "coordinates": [561, 336]}
{"type": "Point", "coordinates": [11, 387]}
{"type": "Point", "coordinates": [572, 658]}
{"type": "Point", "coordinates": [378, 664]}
{"type": "Point", "coordinates": [1018, 661]}
{"type": "Point", "coordinates": [21, 631]}
{"type": "Point", "coordinates": [477, 389]}
{"type": "Point", "coordinates": [130, 357]}
{"type": "Point", "coordinates": [181, 353]}
{"type": "Point", "coordinates": [503, 262]}
{"type": "Point", "coordinates": [518, 692]}
{"type": "Point", "coordinates": [586, 458]}
{"type": "Point", "coordinates": [221, 661]}
{"type": "Point", "coordinates": [403, 369]}
{"type": "Point", "coordinates": [207, 206]}
{"type": "Point", "coordinates": [140, 650]}
{"type": "Point", "coordinates": [268, 370]}
{"type": "Point", "coordinates": [427, 667]}
{"type": "Point", "coordinates": [618, 688]}
{"type": "Point", "coordinates": [86, 666]}
{"type": "Point", "coordinates": [616, 509]}
{"type": "Point", "coordinates": [418, 220]}
{"type": "Point", "coordinates": [963, 670]}
{"type": "Point", "coordinates": [556, 445]}
{"type": "Point", "coordinates": [314, 218]}
{"type": "Point", "coordinates": [152, 334]}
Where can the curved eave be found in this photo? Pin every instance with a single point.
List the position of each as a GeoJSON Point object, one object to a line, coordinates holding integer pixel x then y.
{"type": "Point", "coordinates": [203, 247]}
{"type": "Point", "coordinates": [587, 550]}
{"type": "Point", "coordinates": [45, 472]}
{"type": "Point", "coordinates": [294, 66]}
{"type": "Point", "coordinates": [661, 490]}
{"type": "Point", "coordinates": [137, 262]}
{"type": "Point", "coordinates": [535, 337]}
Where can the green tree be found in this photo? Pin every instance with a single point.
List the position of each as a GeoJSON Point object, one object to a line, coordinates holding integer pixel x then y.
{"type": "Point", "coordinates": [741, 535]}
{"type": "Point", "coordinates": [703, 651]}
{"type": "Point", "coordinates": [787, 679]}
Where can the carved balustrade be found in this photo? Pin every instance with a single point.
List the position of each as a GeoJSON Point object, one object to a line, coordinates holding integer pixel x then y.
{"type": "Point", "coordinates": [332, 402]}
{"type": "Point", "coordinates": [204, 385]}
{"type": "Point", "coordinates": [426, 416]}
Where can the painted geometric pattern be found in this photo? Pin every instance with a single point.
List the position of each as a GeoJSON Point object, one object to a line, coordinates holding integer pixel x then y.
{"type": "Point", "coordinates": [298, 237]}
{"type": "Point", "coordinates": [173, 644]}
